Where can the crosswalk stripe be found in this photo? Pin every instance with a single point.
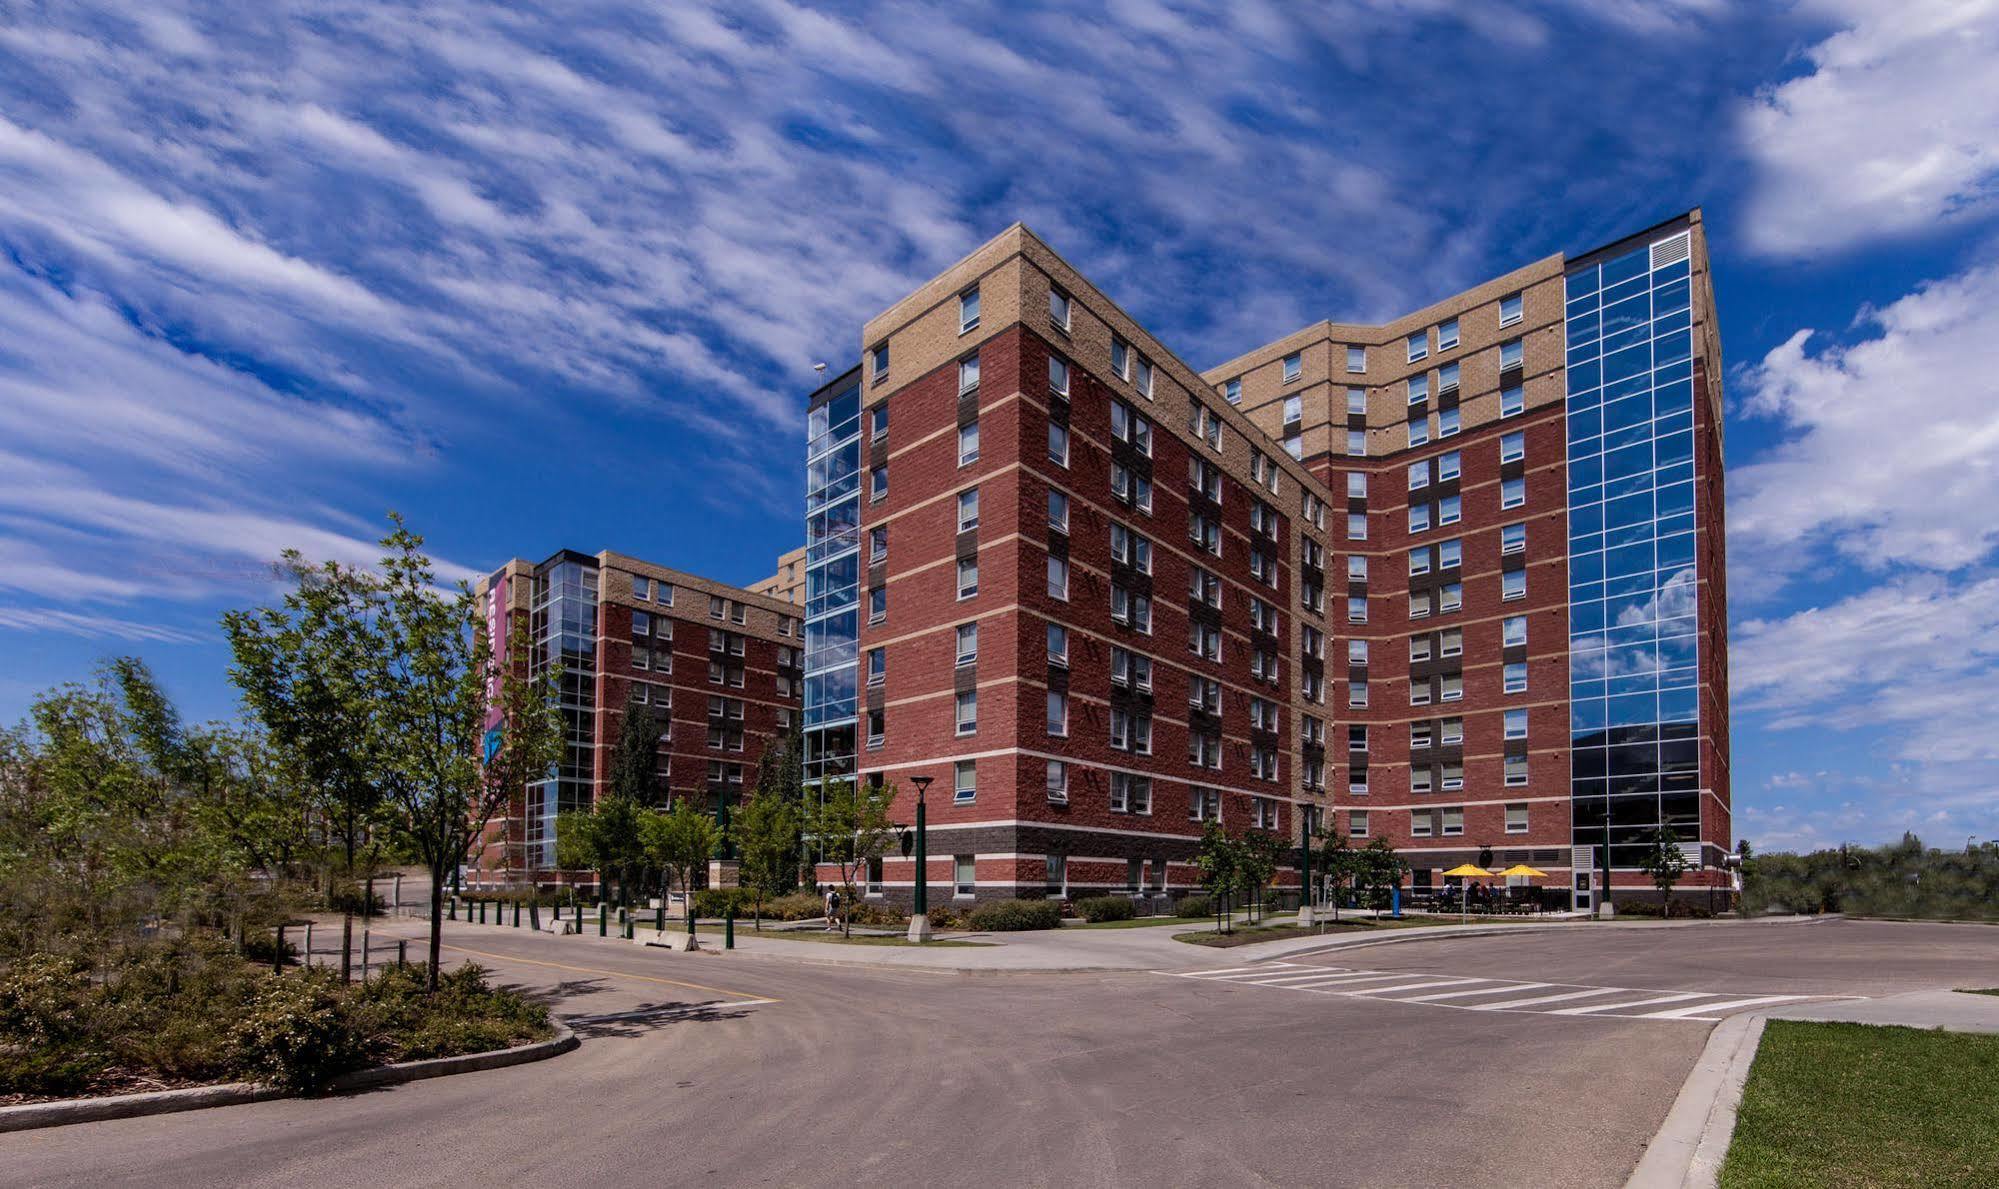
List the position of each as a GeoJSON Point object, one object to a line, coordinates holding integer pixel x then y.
{"type": "Point", "coordinates": [1681, 1013]}
{"type": "Point", "coordinates": [1513, 1003]}
{"type": "Point", "coordinates": [1239, 969]}
{"type": "Point", "coordinates": [1349, 976]}
{"type": "Point", "coordinates": [1422, 986]}
{"type": "Point", "coordinates": [1498, 989]}
{"type": "Point", "coordinates": [1244, 976]}
{"type": "Point", "coordinates": [1597, 1007]}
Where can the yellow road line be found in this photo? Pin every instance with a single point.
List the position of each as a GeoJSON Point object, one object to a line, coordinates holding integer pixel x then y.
{"type": "Point", "coordinates": [647, 978]}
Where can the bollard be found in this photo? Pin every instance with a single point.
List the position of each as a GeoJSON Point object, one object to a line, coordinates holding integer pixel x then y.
{"type": "Point", "coordinates": [628, 928]}
{"type": "Point", "coordinates": [364, 955]}
{"type": "Point", "coordinates": [534, 917]}
{"type": "Point", "coordinates": [603, 919]}
{"type": "Point", "coordinates": [403, 952]}
{"type": "Point", "coordinates": [278, 953]}
{"type": "Point", "coordinates": [306, 958]}
{"type": "Point", "coordinates": [451, 911]}
{"type": "Point", "coordinates": [517, 914]}
{"type": "Point", "coordinates": [659, 917]}
{"type": "Point", "coordinates": [690, 915]}
{"type": "Point", "coordinates": [729, 928]}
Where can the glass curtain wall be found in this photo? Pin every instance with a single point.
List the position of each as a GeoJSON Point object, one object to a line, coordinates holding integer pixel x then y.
{"type": "Point", "coordinates": [564, 621]}
{"type": "Point", "coordinates": [832, 579]}
{"type": "Point", "coordinates": [1632, 634]}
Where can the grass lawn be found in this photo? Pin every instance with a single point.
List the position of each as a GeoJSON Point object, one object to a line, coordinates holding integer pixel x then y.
{"type": "Point", "coordinates": [825, 938]}
{"type": "Point", "coordinates": [1140, 923]}
{"type": "Point", "coordinates": [1858, 1105]}
{"type": "Point", "coordinates": [1978, 990]}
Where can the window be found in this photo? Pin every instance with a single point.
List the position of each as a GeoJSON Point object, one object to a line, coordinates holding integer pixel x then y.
{"type": "Point", "coordinates": [1058, 511]}
{"type": "Point", "coordinates": [1134, 610]}
{"type": "Point", "coordinates": [1058, 578]}
{"type": "Point", "coordinates": [1453, 777]}
{"type": "Point", "coordinates": [877, 727]}
{"type": "Point", "coordinates": [1450, 554]}
{"type": "Point", "coordinates": [1131, 549]}
{"type": "Point", "coordinates": [1449, 421]}
{"type": "Point", "coordinates": [1128, 425]}
{"type": "Point", "coordinates": [1130, 794]}
{"type": "Point", "coordinates": [1516, 771]}
{"type": "Point", "coordinates": [1058, 375]}
{"type": "Point", "coordinates": [1144, 380]}
{"type": "Point", "coordinates": [1206, 531]}
{"type": "Point", "coordinates": [968, 643]}
{"type": "Point", "coordinates": [1516, 724]}
{"type": "Point", "coordinates": [877, 482]}
{"type": "Point", "coordinates": [1357, 652]}
{"type": "Point", "coordinates": [1204, 748]}
{"type": "Point", "coordinates": [877, 665]}
{"type": "Point", "coordinates": [1509, 309]}
{"type": "Point", "coordinates": [1512, 492]}
{"type": "Point", "coordinates": [1452, 821]}
{"type": "Point", "coordinates": [1264, 812]}
{"type": "Point", "coordinates": [1232, 391]}
{"type": "Point", "coordinates": [1356, 526]}
{"type": "Point", "coordinates": [878, 542]}
{"type": "Point", "coordinates": [1516, 677]}
{"type": "Point", "coordinates": [1356, 609]}
{"type": "Point", "coordinates": [1419, 604]}
{"type": "Point", "coordinates": [1205, 640]}
{"type": "Point", "coordinates": [1516, 819]}
{"type": "Point", "coordinates": [968, 310]}
{"type": "Point", "coordinates": [968, 509]}
{"type": "Point", "coordinates": [1450, 510]}
{"type": "Point", "coordinates": [1058, 781]}
{"type": "Point", "coordinates": [1419, 693]}
{"type": "Point", "coordinates": [1419, 475]}
{"type": "Point", "coordinates": [1356, 568]}
{"type": "Point", "coordinates": [877, 604]}
{"type": "Point", "coordinates": [1512, 447]}
{"type": "Point", "coordinates": [1356, 823]}
{"type": "Point", "coordinates": [1447, 379]}
{"type": "Point", "coordinates": [1419, 649]}
{"type": "Point", "coordinates": [716, 606]}
{"type": "Point", "coordinates": [1419, 346]}
{"type": "Point", "coordinates": [1453, 688]}
{"type": "Point", "coordinates": [1058, 444]}
{"type": "Point", "coordinates": [968, 375]}
{"type": "Point", "coordinates": [1133, 669]}
{"type": "Point", "coordinates": [1058, 713]}
{"type": "Point", "coordinates": [1356, 485]}
{"type": "Point", "coordinates": [1294, 366]}
{"type": "Point", "coordinates": [1204, 587]}
{"type": "Point", "coordinates": [1357, 693]}
{"type": "Point", "coordinates": [1447, 335]}
{"type": "Point", "coordinates": [968, 577]}
{"type": "Point", "coordinates": [1207, 425]}
{"type": "Point", "coordinates": [1058, 645]}
{"type": "Point", "coordinates": [1419, 430]}
{"type": "Point", "coordinates": [1513, 538]}
{"type": "Point", "coordinates": [1120, 359]}
{"type": "Point", "coordinates": [1356, 402]}
{"type": "Point", "coordinates": [1419, 388]}
{"type": "Point", "coordinates": [1451, 642]}
{"type": "Point", "coordinates": [968, 443]}
{"type": "Point", "coordinates": [1449, 466]}
{"type": "Point", "coordinates": [878, 421]}
{"type": "Point", "coordinates": [1294, 409]}
{"type": "Point", "coordinates": [1512, 400]}
{"type": "Point", "coordinates": [1513, 630]}
{"type": "Point", "coordinates": [1451, 596]}
{"type": "Point", "coordinates": [966, 784]}
{"type": "Point", "coordinates": [1420, 779]}
{"type": "Point", "coordinates": [1509, 354]}
{"type": "Point", "coordinates": [1419, 518]}
{"type": "Point", "coordinates": [1357, 443]}
{"type": "Point", "coordinates": [1058, 308]}
{"type": "Point", "coordinates": [1205, 477]}
{"type": "Point", "coordinates": [879, 362]}
{"type": "Point", "coordinates": [1513, 584]}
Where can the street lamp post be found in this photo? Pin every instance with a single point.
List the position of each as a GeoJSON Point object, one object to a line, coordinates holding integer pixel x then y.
{"type": "Point", "coordinates": [919, 917]}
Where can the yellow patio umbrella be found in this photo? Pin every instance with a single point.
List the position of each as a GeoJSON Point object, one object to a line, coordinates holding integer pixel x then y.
{"type": "Point", "coordinates": [1523, 869]}
{"type": "Point", "coordinates": [1466, 871]}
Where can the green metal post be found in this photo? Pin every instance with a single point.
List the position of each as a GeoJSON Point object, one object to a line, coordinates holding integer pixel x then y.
{"type": "Point", "coordinates": [729, 928]}
{"type": "Point", "coordinates": [690, 914]}
{"type": "Point", "coordinates": [451, 910]}
{"type": "Point", "coordinates": [922, 902]}
{"type": "Point", "coordinates": [603, 919]}
{"type": "Point", "coordinates": [659, 916]}
{"type": "Point", "coordinates": [278, 952]}
{"type": "Point", "coordinates": [1305, 869]}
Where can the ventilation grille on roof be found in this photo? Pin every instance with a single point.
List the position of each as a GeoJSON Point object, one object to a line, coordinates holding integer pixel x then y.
{"type": "Point", "coordinates": [1670, 251]}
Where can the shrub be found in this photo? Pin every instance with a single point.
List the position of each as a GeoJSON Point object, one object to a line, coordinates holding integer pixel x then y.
{"type": "Point", "coordinates": [45, 999]}
{"type": "Point", "coordinates": [944, 916]}
{"type": "Point", "coordinates": [297, 1035]}
{"type": "Point", "coordinates": [465, 1016]}
{"type": "Point", "coordinates": [875, 915]}
{"type": "Point", "coordinates": [1007, 916]}
{"type": "Point", "coordinates": [798, 906]}
{"type": "Point", "coordinates": [1106, 908]}
{"type": "Point", "coordinates": [1194, 906]}
{"type": "Point", "coordinates": [714, 903]}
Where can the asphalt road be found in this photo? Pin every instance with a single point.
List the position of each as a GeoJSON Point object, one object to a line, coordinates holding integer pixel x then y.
{"type": "Point", "coordinates": [731, 1070]}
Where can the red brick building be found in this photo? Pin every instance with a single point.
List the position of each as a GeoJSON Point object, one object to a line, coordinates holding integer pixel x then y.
{"type": "Point", "coordinates": [1454, 581]}
{"type": "Point", "coordinates": [716, 665]}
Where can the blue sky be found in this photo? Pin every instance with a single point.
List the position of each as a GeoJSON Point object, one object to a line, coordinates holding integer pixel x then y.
{"type": "Point", "coordinates": [555, 275]}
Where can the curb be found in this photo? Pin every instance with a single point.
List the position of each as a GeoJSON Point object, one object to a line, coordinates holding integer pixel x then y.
{"type": "Point", "coordinates": [166, 1102]}
{"type": "Point", "coordinates": [1691, 1144]}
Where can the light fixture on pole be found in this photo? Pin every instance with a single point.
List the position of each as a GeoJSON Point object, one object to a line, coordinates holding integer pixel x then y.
{"type": "Point", "coordinates": [919, 916]}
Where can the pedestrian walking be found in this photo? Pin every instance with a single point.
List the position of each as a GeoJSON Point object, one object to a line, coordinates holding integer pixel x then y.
{"type": "Point", "coordinates": [832, 907]}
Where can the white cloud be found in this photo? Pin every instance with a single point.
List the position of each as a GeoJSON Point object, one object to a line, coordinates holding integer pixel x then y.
{"type": "Point", "coordinates": [1891, 446]}
{"type": "Point", "coordinates": [1893, 132]}
{"type": "Point", "coordinates": [93, 627]}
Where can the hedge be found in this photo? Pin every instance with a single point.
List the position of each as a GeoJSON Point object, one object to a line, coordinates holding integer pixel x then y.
{"type": "Point", "coordinates": [1007, 916]}
{"type": "Point", "coordinates": [1106, 908]}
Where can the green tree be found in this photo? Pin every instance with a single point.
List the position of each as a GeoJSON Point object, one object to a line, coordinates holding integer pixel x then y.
{"type": "Point", "coordinates": [852, 826]}
{"type": "Point", "coordinates": [1219, 860]}
{"type": "Point", "coordinates": [634, 774]}
{"type": "Point", "coordinates": [305, 669]}
{"type": "Point", "coordinates": [1258, 855]}
{"type": "Point", "coordinates": [1377, 869]}
{"type": "Point", "coordinates": [767, 836]}
{"type": "Point", "coordinates": [435, 685]}
{"type": "Point", "coordinates": [680, 841]}
{"type": "Point", "coordinates": [1338, 862]}
{"type": "Point", "coordinates": [1664, 862]}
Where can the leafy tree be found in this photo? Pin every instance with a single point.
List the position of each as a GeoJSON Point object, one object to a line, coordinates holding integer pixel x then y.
{"type": "Point", "coordinates": [680, 841]}
{"type": "Point", "coordinates": [1338, 863]}
{"type": "Point", "coordinates": [1220, 860]}
{"type": "Point", "coordinates": [767, 837]}
{"type": "Point", "coordinates": [305, 670]}
{"type": "Point", "coordinates": [852, 826]}
{"type": "Point", "coordinates": [1664, 862]}
{"type": "Point", "coordinates": [1378, 868]}
{"type": "Point", "coordinates": [634, 774]}
{"type": "Point", "coordinates": [1258, 853]}
{"type": "Point", "coordinates": [429, 679]}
